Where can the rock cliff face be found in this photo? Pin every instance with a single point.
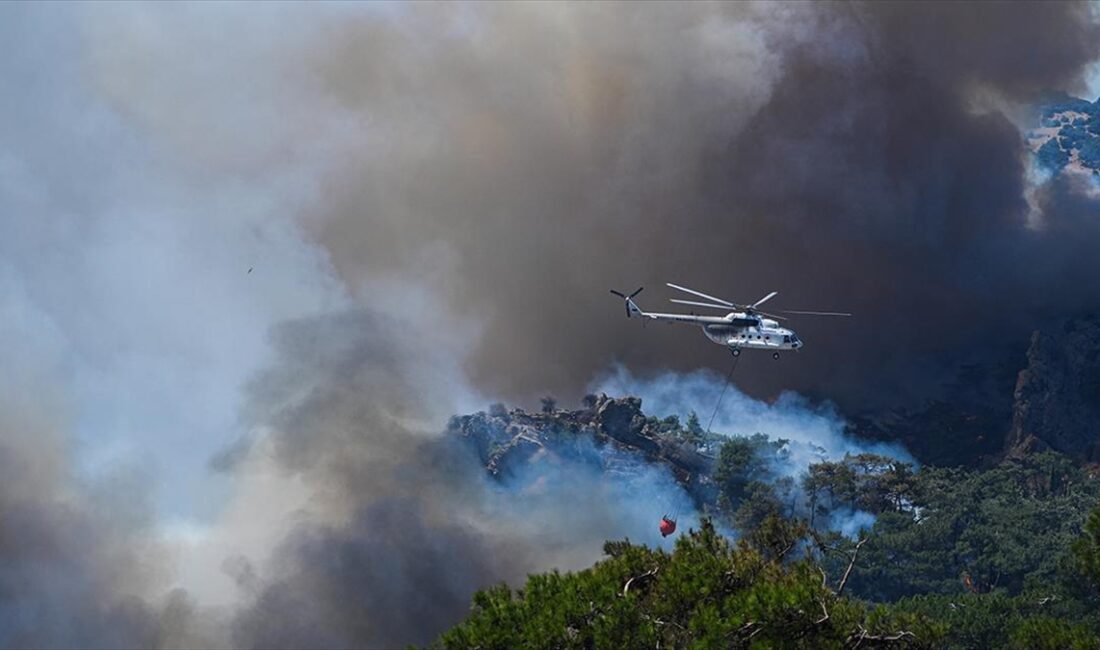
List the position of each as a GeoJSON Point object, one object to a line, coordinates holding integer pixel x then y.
{"type": "Point", "coordinates": [1057, 397]}
{"type": "Point", "coordinates": [506, 441]}
{"type": "Point", "coordinates": [1046, 399]}
{"type": "Point", "coordinates": [965, 426]}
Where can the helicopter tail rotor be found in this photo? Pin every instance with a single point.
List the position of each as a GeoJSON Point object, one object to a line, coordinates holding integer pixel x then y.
{"type": "Point", "coordinates": [631, 308]}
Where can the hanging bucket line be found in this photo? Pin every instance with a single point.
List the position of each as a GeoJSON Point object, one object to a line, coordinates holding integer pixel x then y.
{"type": "Point", "coordinates": [723, 393]}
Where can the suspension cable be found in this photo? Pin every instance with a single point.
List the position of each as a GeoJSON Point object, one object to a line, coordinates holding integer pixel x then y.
{"type": "Point", "coordinates": [723, 393]}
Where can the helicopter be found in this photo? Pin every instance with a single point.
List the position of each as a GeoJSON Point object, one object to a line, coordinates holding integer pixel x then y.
{"type": "Point", "coordinates": [745, 327]}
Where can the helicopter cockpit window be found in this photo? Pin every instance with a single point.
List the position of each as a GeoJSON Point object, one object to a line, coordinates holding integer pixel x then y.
{"type": "Point", "coordinates": [786, 338]}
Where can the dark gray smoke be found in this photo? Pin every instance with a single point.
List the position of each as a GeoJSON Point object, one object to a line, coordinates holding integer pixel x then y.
{"type": "Point", "coordinates": [404, 525]}
{"type": "Point", "coordinates": [80, 565]}
{"type": "Point", "coordinates": [522, 159]}
{"type": "Point", "coordinates": [854, 157]}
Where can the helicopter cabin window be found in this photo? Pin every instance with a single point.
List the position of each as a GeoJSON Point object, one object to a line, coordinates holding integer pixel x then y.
{"type": "Point", "coordinates": [786, 338]}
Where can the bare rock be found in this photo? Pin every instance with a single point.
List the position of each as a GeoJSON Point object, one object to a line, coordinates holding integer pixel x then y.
{"type": "Point", "coordinates": [1057, 397]}
{"type": "Point", "coordinates": [622, 420]}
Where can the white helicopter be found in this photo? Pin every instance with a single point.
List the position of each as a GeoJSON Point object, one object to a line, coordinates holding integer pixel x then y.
{"type": "Point", "coordinates": [739, 329]}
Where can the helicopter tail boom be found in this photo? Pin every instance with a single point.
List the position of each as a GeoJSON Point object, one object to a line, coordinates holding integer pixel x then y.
{"type": "Point", "coordinates": [631, 306]}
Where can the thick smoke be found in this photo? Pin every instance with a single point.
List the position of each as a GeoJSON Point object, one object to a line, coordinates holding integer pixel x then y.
{"type": "Point", "coordinates": [435, 199]}
{"type": "Point", "coordinates": [79, 562]}
{"type": "Point", "coordinates": [523, 158]}
{"type": "Point", "coordinates": [404, 525]}
{"type": "Point", "coordinates": [851, 156]}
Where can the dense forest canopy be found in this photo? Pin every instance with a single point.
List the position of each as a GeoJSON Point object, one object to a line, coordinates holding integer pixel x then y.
{"type": "Point", "coordinates": [861, 551]}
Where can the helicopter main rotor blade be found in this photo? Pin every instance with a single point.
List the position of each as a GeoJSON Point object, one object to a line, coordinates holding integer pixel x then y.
{"type": "Point", "coordinates": [764, 313]}
{"type": "Point", "coordinates": [763, 300]}
{"type": "Point", "coordinates": [699, 304]}
{"type": "Point", "coordinates": [618, 294]}
{"type": "Point", "coordinates": [814, 313]}
{"type": "Point", "coordinates": [702, 295]}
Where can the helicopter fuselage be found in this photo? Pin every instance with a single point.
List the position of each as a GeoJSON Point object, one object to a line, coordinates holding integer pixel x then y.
{"type": "Point", "coordinates": [744, 331]}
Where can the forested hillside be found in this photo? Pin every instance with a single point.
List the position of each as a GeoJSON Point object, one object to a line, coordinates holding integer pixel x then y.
{"type": "Point", "coordinates": [955, 558]}
{"type": "Point", "coordinates": [861, 550]}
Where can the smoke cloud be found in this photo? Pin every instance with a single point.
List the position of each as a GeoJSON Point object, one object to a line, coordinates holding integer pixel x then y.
{"type": "Point", "coordinates": [80, 565]}
{"type": "Point", "coordinates": [855, 157]}
{"type": "Point", "coordinates": [403, 524]}
{"type": "Point", "coordinates": [254, 256]}
{"type": "Point", "coordinates": [521, 159]}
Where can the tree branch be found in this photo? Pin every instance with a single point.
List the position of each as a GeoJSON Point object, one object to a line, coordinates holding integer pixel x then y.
{"type": "Point", "coordinates": [857, 641]}
{"type": "Point", "coordinates": [752, 627]}
{"type": "Point", "coordinates": [786, 549]}
{"type": "Point", "coordinates": [648, 575]}
{"type": "Point", "coordinates": [660, 622]}
{"type": "Point", "coordinates": [852, 563]}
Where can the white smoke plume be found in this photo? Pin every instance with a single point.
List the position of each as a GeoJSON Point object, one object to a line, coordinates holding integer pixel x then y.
{"type": "Point", "coordinates": [815, 431]}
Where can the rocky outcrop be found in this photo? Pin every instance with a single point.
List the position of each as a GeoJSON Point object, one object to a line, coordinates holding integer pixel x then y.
{"type": "Point", "coordinates": [1046, 399]}
{"type": "Point", "coordinates": [622, 420]}
{"type": "Point", "coordinates": [508, 441]}
{"type": "Point", "coordinates": [1057, 397]}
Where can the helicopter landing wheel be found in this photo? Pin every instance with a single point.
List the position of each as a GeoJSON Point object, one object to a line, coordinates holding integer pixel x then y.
{"type": "Point", "coordinates": [735, 352]}
{"type": "Point", "coordinates": [775, 355]}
